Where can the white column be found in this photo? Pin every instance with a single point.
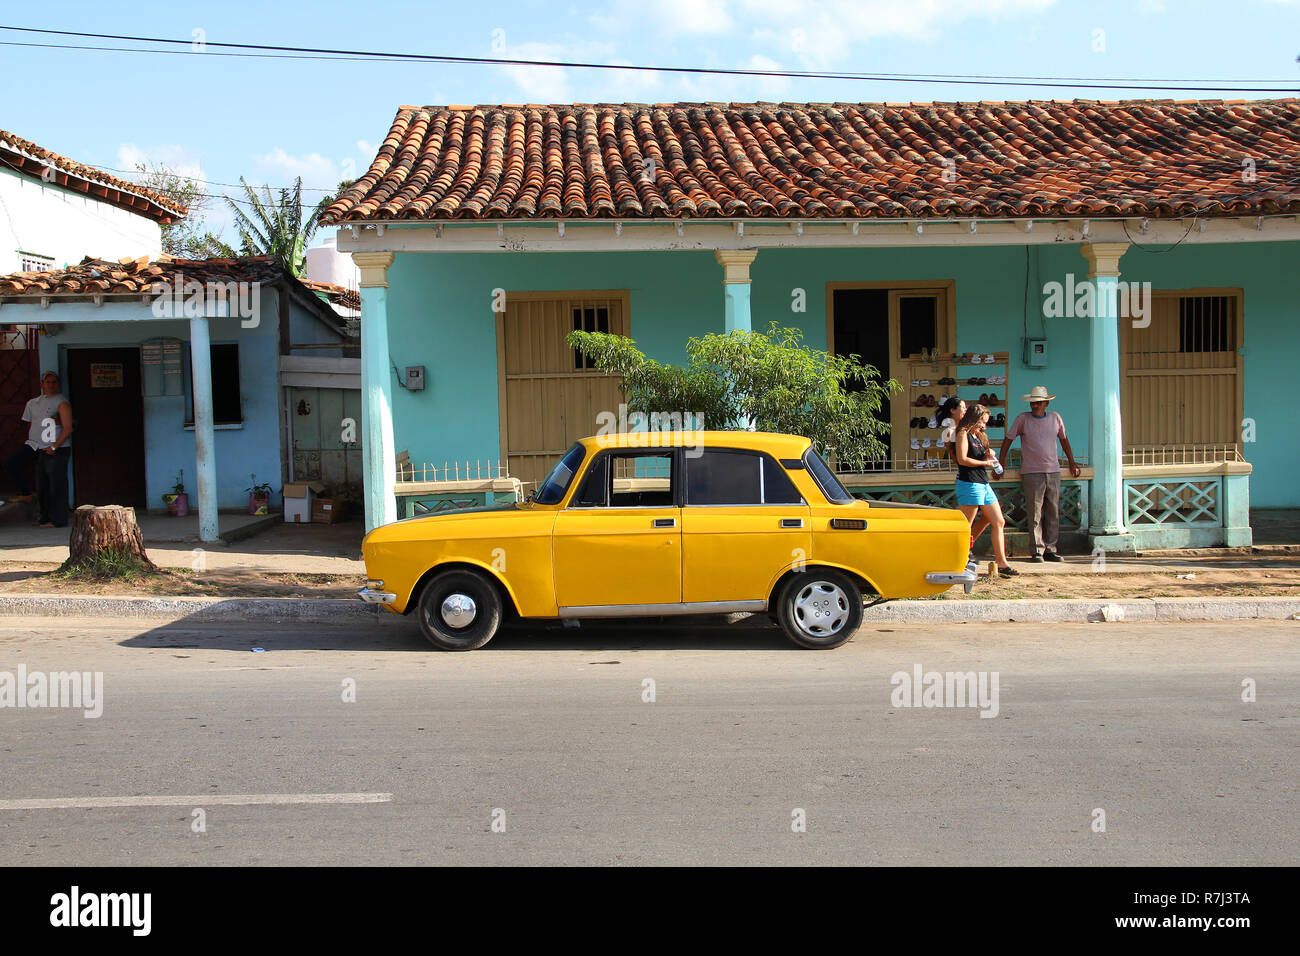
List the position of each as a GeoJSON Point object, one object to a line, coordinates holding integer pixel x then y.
{"type": "Point", "coordinates": [376, 391]}
{"type": "Point", "coordinates": [204, 452]}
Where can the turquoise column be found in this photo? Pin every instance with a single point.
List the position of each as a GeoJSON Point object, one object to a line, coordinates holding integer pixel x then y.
{"type": "Point", "coordinates": [735, 287]}
{"type": "Point", "coordinates": [1105, 441]}
{"type": "Point", "coordinates": [1235, 506]}
{"type": "Point", "coordinates": [204, 442]}
{"type": "Point", "coordinates": [377, 450]}
{"type": "Point", "coordinates": [735, 297]}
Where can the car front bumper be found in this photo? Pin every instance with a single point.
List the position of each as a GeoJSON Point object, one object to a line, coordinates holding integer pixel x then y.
{"type": "Point", "coordinates": [376, 597]}
{"type": "Point", "coordinates": [965, 578]}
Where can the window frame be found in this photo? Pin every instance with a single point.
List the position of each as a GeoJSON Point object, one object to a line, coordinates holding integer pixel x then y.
{"type": "Point", "coordinates": [675, 483]}
{"type": "Point", "coordinates": [188, 384]}
{"type": "Point", "coordinates": [762, 482]}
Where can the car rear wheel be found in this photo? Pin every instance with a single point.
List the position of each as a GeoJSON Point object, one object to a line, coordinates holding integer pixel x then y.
{"type": "Point", "coordinates": [459, 611]}
{"type": "Point", "coordinates": [820, 608]}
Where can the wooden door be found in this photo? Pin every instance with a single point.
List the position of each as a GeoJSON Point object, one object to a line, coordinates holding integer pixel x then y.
{"type": "Point", "coordinates": [549, 394]}
{"type": "Point", "coordinates": [1181, 377]}
{"type": "Point", "coordinates": [20, 381]}
{"type": "Point", "coordinates": [103, 387]}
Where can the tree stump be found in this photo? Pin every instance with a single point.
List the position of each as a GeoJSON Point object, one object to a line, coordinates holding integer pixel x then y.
{"type": "Point", "coordinates": [96, 529]}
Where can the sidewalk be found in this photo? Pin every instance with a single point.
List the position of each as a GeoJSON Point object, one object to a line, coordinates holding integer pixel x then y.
{"type": "Point", "coordinates": [272, 546]}
{"type": "Point", "coordinates": [323, 563]}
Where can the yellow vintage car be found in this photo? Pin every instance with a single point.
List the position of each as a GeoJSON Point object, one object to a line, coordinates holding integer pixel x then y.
{"type": "Point", "coordinates": [681, 523]}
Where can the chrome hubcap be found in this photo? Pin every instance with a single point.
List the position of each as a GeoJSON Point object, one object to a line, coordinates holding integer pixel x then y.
{"type": "Point", "coordinates": [459, 610]}
{"type": "Point", "coordinates": [821, 609]}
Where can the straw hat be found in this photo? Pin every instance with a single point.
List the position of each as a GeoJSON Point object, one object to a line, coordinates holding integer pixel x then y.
{"type": "Point", "coordinates": [1038, 394]}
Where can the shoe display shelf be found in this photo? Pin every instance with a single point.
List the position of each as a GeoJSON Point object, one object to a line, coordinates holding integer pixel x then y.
{"type": "Point", "coordinates": [932, 377]}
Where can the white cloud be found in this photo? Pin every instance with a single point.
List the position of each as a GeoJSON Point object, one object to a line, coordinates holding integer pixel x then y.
{"type": "Point", "coordinates": [176, 158]}
{"type": "Point", "coordinates": [539, 84]}
{"type": "Point", "coordinates": [317, 171]}
{"type": "Point", "coordinates": [818, 32]}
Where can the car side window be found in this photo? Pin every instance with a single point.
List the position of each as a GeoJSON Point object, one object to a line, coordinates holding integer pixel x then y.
{"type": "Point", "coordinates": [640, 480]}
{"type": "Point", "coordinates": [731, 477]}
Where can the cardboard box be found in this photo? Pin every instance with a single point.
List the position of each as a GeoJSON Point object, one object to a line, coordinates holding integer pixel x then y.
{"type": "Point", "coordinates": [329, 510]}
{"type": "Point", "coordinates": [299, 497]}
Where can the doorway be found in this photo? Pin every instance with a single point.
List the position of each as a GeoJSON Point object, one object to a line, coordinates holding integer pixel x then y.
{"type": "Point", "coordinates": [885, 324]}
{"type": "Point", "coordinates": [103, 387]}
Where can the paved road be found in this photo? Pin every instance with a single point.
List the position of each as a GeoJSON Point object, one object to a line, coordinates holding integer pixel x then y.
{"type": "Point", "coordinates": [1145, 722]}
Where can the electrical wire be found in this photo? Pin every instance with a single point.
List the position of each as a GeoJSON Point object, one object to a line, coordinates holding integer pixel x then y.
{"type": "Point", "coordinates": [200, 48]}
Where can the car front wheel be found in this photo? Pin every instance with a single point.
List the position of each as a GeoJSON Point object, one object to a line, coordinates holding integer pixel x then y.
{"type": "Point", "coordinates": [459, 611]}
{"type": "Point", "coordinates": [820, 608]}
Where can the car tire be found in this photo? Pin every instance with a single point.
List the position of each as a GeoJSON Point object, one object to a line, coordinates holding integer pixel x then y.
{"type": "Point", "coordinates": [820, 608]}
{"type": "Point", "coordinates": [459, 610]}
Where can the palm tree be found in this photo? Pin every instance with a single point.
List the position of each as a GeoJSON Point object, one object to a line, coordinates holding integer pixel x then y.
{"type": "Point", "coordinates": [275, 228]}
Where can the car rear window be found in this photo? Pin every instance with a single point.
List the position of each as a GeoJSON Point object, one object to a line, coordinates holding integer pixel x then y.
{"type": "Point", "coordinates": [733, 477]}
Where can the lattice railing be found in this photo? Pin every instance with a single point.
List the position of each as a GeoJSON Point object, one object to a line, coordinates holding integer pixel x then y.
{"type": "Point", "coordinates": [1174, 502]}
{"type": "Point", "coordinates": [1010, 497]}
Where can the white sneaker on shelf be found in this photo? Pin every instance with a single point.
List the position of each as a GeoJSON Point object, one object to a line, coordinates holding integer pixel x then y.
{"type": "Point", "coordinates": [925, 443]}
{"type": "Point", "coordinates": [916, 444]}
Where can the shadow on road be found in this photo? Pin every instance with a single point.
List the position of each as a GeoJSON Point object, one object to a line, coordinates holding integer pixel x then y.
{"type": "Point", "coordinates": [403, 636]}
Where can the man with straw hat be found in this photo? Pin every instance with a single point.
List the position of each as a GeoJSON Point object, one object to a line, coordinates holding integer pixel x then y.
{"type": "Point", "coordinates": [1040, 470]}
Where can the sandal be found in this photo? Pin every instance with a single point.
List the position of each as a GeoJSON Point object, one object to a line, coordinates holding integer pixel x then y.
{"type": "Point", "coordinates": [1008, 572]}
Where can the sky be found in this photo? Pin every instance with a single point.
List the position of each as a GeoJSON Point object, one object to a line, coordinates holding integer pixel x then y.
{"type": "Point", "coordinates": [216, 118]}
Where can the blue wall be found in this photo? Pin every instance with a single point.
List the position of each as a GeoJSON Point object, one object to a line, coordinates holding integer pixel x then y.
{"type": "Point", "coordinates": [440, 316]}
{"type": "Point", "coordinates": [253, 447]}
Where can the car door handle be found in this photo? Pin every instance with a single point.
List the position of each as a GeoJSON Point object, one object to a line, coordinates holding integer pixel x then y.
{"type": "Point", "coordinates": [665, 522]}
{"type": "Point", "coordinates": [792, 522]}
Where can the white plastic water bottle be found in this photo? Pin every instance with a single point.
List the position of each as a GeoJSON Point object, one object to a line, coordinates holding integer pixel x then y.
{"type": "Point", "coordinates": [997, 467]}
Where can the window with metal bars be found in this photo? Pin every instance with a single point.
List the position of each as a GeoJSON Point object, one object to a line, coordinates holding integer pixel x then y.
{"type": "Point", "coordinates": [588, 319]}
{"type": "Point", "coordinates": [1205, 323]}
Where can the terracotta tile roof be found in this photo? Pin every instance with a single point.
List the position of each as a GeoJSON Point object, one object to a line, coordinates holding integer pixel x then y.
{"type": "Point", "coordinates": [31, 160]}
{"type": "Point", "coordinates": [136, 276]}
{"type": "Point", "coordinates": [337, 294]}
{"type": "Point", "coordinates": [845, 160]}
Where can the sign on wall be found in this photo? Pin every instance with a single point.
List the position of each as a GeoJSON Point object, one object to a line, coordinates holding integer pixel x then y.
{"type": "Point", "coordinates": [160, 365]}
{"type": "Point", "coordinates": [105, 374]}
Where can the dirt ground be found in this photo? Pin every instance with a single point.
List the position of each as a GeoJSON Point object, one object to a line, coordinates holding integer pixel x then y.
{"type": "Point", "coordinates": [34, 578]}
{"type": "Point", "coordinates": [1263, 577]}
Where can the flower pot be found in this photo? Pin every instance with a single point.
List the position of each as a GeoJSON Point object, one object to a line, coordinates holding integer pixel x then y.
{"type": "Point", "coordinates": [259, 505]}
{"type": "Point", "coordinates": [177, 505]}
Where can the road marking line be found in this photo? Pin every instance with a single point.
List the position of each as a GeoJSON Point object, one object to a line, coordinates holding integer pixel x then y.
{"type": "Point", "coordinates": [192, 800]}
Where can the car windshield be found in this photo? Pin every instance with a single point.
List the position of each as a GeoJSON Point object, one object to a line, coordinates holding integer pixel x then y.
{"type": "Point", "coordinates": [826, 480]}
{"type": "Point", "coordinates": [551, 491]}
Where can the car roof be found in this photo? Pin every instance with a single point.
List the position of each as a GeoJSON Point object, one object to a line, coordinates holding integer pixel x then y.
{"type": "Point", "coordinates": [776, 444]}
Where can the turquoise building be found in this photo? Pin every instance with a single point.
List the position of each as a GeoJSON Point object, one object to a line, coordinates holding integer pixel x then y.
{"type": "Point", "coordinates": [1121, 254]}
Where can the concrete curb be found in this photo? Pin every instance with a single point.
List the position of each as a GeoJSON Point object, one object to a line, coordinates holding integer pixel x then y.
{"type": "Point", "coordinates": [335, 611]}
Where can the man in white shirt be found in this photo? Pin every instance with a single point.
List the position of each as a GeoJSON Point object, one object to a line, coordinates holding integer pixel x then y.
{"type": "Point", "coordinates": [49, 445]}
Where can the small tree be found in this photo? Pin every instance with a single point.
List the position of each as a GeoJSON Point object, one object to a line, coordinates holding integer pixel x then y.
{"type": "Point", "coordinates": [187, 237]}
{"type": "Point", "coordinates": [768, 378]}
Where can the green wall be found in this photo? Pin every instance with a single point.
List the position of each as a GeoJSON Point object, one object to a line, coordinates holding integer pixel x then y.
{"type": "Point", "coordinates": [440, 316]}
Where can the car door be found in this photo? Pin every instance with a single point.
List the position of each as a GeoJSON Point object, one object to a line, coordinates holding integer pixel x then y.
{"type": "Point", "coordinates": [619, 542]}
{"type": "Point", "coordinates": [743, 523]}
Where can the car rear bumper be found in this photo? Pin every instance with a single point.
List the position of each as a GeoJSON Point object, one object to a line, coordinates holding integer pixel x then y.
{"type": "Point", "coordinates": [376, 597]}
{"type": "Point", "coordinates": [965, 578]}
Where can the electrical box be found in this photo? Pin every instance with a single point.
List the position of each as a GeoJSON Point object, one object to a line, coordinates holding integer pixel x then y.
{"type": "Point", "coordinates": [415, 378]}
{"type": "Point", "coordinates": [1035, 353]}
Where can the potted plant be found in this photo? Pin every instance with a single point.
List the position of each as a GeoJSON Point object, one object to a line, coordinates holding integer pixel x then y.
{"type": "Point", "coordinates": [259, 497]}
{"type": "Point", "coordinates": [178, 502]}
